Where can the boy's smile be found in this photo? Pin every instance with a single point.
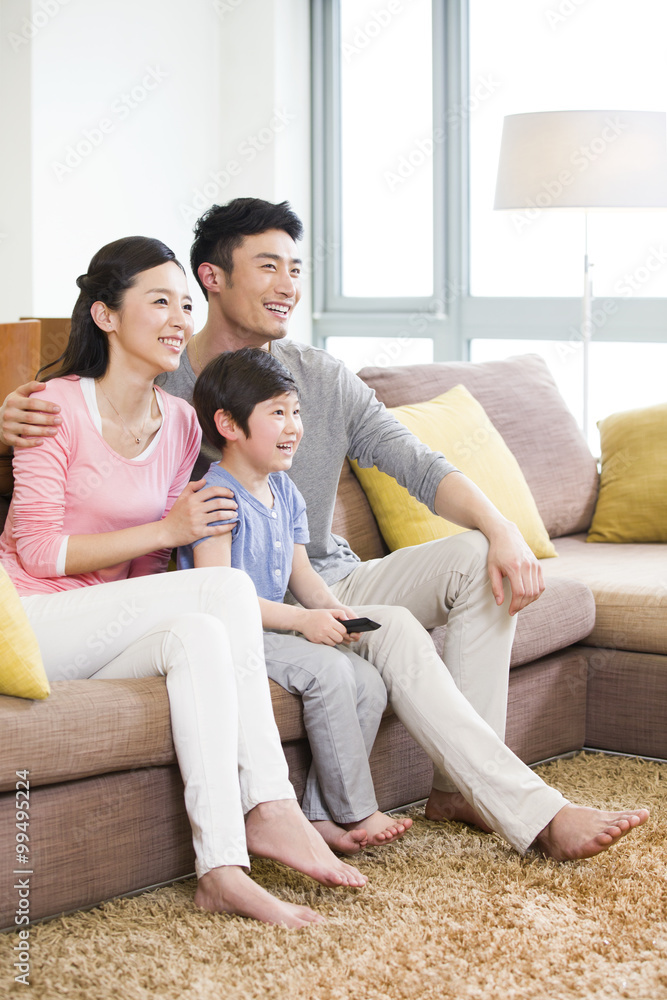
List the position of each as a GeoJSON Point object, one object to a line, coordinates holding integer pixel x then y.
{"type": "Point", "coordinates": [274, 433]}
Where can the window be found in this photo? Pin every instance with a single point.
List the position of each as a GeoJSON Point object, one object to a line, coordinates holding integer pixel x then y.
{"type": "Point", "coordinates": [380, 352]}
{"type": "Point", "coordinates": [386, 149]}
{"type": "Point", "coordinates": [427, 258]}
{"type": "Point", "coordinates": [379, 154]}
{"type": "Point", "coordinates": [538, 59]}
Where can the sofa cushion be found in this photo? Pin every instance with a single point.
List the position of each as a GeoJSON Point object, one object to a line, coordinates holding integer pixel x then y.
{"type": "Point", "coordinates": [454, 423]}
{"type": "Point", "coordinates": [625, 706]}
{"type": "Point", "coordinates": [85, 728]}
{"type": "Point", "coordinates": [546, 706]}
{"type": "Point", "coordinates": [564, 614]}
{"type": "Point", "coordinates": [632, 505]}
{"type": "Point", "coordinates": [288, 713]}
{"type": "Point", "coordinates": [353, 518]}
{"type": "Point", "coordinates": [21, 669]}
{"type": "Point", "coordinates": [524, 404]}
{"type": "Point", "coordinates": [629, 583]}
{"type": "Point", "coordinates": [93, 727]}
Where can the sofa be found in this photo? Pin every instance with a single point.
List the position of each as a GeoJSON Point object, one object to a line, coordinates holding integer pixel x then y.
{"type": "Point", "coordinates": [589, 669]}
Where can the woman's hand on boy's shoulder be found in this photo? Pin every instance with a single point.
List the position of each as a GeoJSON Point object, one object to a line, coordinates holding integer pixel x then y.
{"type": "Point", "coordinates": [196, 514]}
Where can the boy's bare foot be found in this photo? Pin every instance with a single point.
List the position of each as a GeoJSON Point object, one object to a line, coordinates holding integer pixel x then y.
{"type": "Point", "coordinates": [342, 840]}
{"type": "Point", "coordinates": [581, 832]}
{"type": "Point", "coordinates": [452, 806]}
{"type": "Point", "coordinates": [279, 830]}
{"type": "Point", "coordinates": [380, 828]}
{"type": "Point", "coordinates": [230, 890]}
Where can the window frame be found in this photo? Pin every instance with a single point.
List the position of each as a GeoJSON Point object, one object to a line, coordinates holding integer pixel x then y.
{"type": "Point", "coordinates": [452, 317]}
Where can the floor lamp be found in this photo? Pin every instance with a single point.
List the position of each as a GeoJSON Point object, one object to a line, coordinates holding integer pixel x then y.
{"type": "Point", "coordinates": [583, 160]}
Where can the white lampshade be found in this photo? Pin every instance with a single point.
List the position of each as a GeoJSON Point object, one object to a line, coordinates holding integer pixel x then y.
{"type": "Point", "coordinates": [584, 160]}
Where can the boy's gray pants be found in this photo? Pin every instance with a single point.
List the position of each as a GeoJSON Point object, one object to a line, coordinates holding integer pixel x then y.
{"type": "Point", "coordinates": [344, 697]}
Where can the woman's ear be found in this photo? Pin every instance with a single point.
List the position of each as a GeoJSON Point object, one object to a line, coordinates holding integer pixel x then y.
{"type": "Point", "coordinates": [225, 425]}
{"type": "Point", "coordinates": [102, 316]}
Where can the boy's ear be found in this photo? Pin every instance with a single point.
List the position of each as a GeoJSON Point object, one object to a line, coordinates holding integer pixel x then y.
{"type": "Point", "coordinates": [226, 426]}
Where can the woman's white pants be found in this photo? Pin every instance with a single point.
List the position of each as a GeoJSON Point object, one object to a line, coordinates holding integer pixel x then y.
{"type": "Point", "coordinates": [201, 629]}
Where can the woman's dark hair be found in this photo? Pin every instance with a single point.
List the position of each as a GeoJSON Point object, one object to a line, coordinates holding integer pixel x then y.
{"type": "Point", "coordinates": [223, 228]}
{"type": "Point", "coordinates": [111, 272]}
{"type": "Point", "coordinates": [236, 381]}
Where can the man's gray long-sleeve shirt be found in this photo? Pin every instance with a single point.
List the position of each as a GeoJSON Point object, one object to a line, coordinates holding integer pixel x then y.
{"type": "Point", "coordinates": [341, 416]}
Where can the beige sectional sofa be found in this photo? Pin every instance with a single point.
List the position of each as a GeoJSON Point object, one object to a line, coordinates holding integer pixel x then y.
{"type": "Point", "coordinates": [589, 668]}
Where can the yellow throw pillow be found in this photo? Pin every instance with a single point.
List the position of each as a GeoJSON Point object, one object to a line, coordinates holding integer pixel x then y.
{"type": "Point", "coordinates": [632, 502]}
{"type": "Point", "coordinates": [456, 425]}
{"type": "Point", "coordinates": [21, 668]}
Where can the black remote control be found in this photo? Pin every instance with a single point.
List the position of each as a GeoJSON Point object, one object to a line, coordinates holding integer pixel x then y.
{"type": "Point", "coordinates": [360, 625]}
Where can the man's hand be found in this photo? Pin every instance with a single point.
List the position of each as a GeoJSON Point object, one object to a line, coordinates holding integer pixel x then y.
{"type": "Point", "coordinates": [510, 556]}
{"type": "Point", "coordinates": [26, 420]}
{"type": "Point", "coordinates": [458, 499]}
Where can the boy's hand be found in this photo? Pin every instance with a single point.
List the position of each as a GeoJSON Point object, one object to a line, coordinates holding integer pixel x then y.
{"type": "Point", "coordinates": [194, 511]}
{"type": "Point", "coordinates": [25, 419]}
{"type": "Point", "coordinates": [343, 614]}
{"type": "Point", "coordinates": [324, 626]}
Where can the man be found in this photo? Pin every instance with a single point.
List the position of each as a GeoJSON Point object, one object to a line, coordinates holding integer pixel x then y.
{"type": "Point", "coordinates": [246, 260]}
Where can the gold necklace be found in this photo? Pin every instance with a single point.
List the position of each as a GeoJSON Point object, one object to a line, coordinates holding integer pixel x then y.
{"type": "Point", "coordinates": [129, 431]}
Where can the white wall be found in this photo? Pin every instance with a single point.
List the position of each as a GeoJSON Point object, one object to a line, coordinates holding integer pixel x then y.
{"type": "Point", "coordinates": [265, 128]}
{"type": "Point", "coordinates": [136, 110]}
{"type": "Point", "coordinates": [15, 173]}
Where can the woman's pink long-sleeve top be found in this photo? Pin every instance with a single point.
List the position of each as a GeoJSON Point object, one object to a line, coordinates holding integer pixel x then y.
{"type": "Point", "coordinates": [75, 484]}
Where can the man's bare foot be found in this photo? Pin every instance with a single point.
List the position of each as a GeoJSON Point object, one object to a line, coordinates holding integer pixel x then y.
{"type": "Point", "coordinates": [452, 806]}
{"type": "Point", "coordinates": [342, 840]}
{"type": "Point", "coordinates": [279, 830]}
{"type": "Point", "coordinates": [230, 890]}
{"type": "Point", "coordinates": [380, 828]}
{"type": "Point", "coordinates": [581, 832]}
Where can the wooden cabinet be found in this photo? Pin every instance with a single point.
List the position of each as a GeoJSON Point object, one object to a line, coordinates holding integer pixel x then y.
{"type": "Point", "coordinates": [53, 337]}
{"type": "Point", "coordinates": [27, 345]}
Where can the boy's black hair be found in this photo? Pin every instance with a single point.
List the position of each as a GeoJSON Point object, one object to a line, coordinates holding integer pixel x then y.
{"type": "Point", "coordinates": [222, 228]}
{"type": "Point", "coordinates": [236, 381]}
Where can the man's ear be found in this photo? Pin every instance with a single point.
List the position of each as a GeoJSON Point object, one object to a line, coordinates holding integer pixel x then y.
{"type": "Point", "coordinates": [102, 316]}
{"type": "Point", "coordinates": [226, 426]}
{"type": "Point", "coordinates": [211, 277]}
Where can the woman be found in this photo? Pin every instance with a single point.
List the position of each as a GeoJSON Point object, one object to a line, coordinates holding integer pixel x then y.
{"type": "Point", "coordinates": [96, 511]}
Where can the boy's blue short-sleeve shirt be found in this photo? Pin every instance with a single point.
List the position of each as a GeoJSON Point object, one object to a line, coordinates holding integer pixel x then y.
{"type": "Point", "coordinates": [263, 538]}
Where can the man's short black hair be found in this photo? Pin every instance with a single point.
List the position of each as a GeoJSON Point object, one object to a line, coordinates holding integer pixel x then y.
{"type": "Point", "coordinates": [236, 381]}
{"type": "Point", "coordinates": [223, 228]}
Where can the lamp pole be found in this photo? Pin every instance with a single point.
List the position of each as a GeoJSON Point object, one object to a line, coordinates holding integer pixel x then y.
{"type": "Point", "coordinates": [586, 326]}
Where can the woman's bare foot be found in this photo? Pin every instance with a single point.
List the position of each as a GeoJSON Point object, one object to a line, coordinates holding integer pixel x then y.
{"type": "Point", "coordinates": [279, 830]}
{"type": "Point", "coordinates": [452, 806]}
{"type": "Point", "coordinates": [581, 832]}
{"type": "Point", "coordinates": [380, 828]}
{"type": "Point", "coordinates": [230, 890]}
{"type": "Point", "coordinates": [342, 840]}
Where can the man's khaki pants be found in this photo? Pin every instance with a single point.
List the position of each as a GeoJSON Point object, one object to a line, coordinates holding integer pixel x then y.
{"type": "Point", "coordinates": [454, 708]}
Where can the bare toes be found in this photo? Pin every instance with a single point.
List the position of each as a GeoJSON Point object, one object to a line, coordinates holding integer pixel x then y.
{"type": "Point", "coordinates": [310, 917]}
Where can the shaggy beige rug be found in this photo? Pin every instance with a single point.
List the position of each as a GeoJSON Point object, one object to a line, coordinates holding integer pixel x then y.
{"type": "Point", "coordinates": [447, 913]}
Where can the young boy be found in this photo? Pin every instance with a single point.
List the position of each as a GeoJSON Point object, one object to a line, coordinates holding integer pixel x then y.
{"type": "Point", "coordinates": [248, 405]}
